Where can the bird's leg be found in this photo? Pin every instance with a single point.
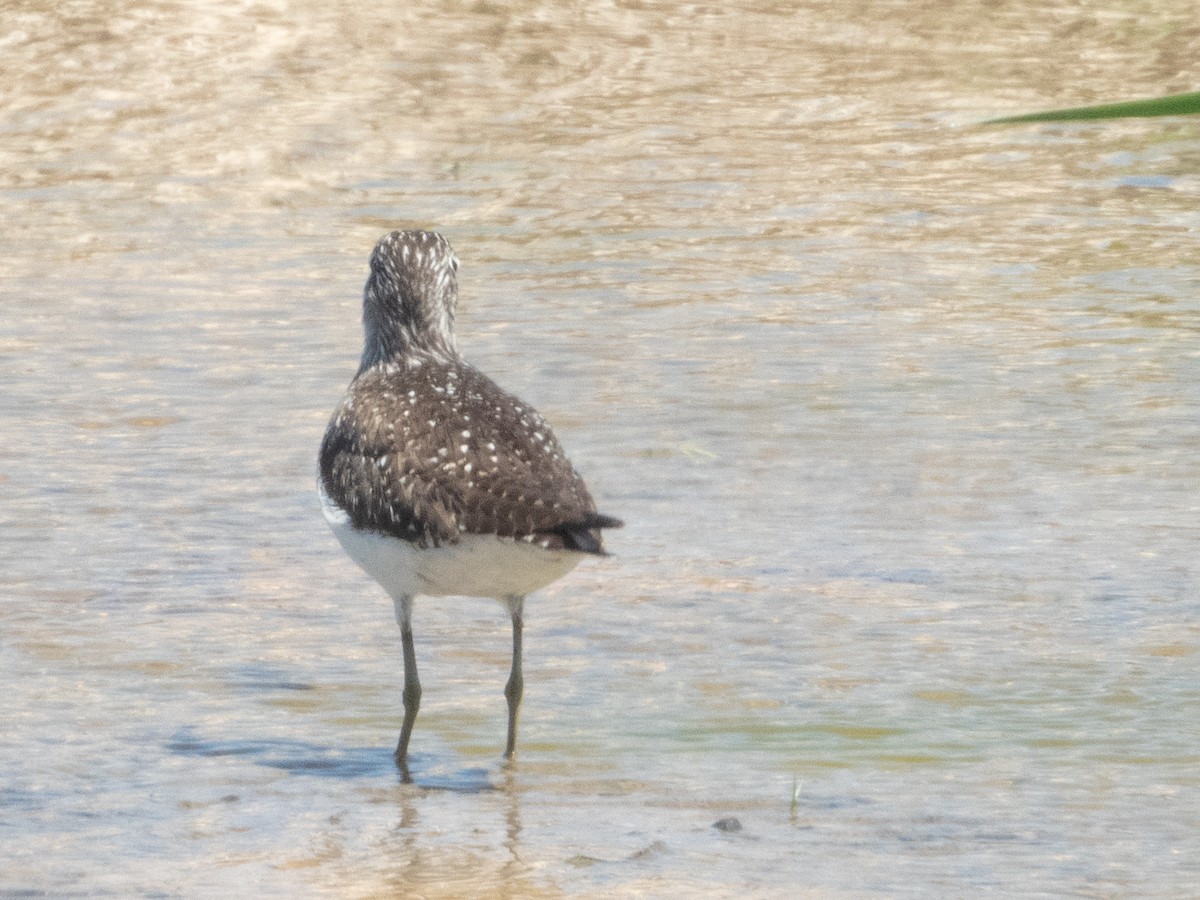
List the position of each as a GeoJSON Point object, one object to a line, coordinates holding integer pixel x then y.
{"type": "Point", "coordinates": [516, 682]}
{"type": "Point", "coordinates": [412, 684]}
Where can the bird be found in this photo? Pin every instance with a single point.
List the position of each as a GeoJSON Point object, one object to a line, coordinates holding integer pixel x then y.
{"type": "Point", "coordinates": [435, 480]}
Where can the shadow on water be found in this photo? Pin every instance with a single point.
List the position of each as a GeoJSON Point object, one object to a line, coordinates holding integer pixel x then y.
{"type": "Point", "coordinates": [305, 758]}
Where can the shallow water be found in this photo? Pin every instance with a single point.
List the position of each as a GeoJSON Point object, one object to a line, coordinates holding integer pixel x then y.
{"type": "Point", "coordinates": [902, 415]}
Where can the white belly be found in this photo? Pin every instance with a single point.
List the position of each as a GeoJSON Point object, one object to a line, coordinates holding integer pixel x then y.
{"type": "Point", "coordinates": [477, 566]}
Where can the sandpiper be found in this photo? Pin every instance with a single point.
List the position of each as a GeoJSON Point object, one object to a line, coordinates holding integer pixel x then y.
{"type": "Point", "coordinates": [435, 480]}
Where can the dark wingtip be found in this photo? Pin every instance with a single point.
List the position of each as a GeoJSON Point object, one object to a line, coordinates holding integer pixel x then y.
{"type": "Point", "coordinates": [584, 534]}
{"type": "Point", "coordinates": [599, 520]}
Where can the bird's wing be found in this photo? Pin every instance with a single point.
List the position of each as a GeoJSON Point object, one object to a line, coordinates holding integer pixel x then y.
{"type": "Point", "coordinates": [475, 460]}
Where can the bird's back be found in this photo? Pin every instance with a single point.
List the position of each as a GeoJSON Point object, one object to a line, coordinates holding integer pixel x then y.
{"type": "Point", "coordinates": [431, 452]}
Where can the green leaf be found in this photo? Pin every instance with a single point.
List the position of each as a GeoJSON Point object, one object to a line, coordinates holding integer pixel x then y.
{"type": "Point", "coordinates": [1173, 105]}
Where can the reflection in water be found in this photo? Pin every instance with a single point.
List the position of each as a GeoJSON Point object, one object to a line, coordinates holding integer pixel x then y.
{"type": "Point", "coordinates": [903, 416]}
{"type": "Point", "coordinates": [515, 866]}
{"type": "Point", "coordinates": [415, 860]}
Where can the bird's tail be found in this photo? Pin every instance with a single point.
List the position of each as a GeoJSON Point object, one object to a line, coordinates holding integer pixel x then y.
{"type": "Point", "coordinates": [584, 534]}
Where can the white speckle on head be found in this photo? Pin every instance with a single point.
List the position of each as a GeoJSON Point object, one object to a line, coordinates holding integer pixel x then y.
{"type": "Point", "coordinates": [381, 462]}
{"type": "Point", "coordinates": [466, 434]}
{"type": "Point", "coordinates": [491, 446]}
{"type": "Point", "coordinates": [442, 451]}
{"type": "Point", "coordinates": [468, 467]}
{"type": "Point", "coordinates": [463, 448]}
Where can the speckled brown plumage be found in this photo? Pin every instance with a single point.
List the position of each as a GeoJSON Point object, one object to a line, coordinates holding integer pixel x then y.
{"type": "Point", "coordinates": [423, 446]}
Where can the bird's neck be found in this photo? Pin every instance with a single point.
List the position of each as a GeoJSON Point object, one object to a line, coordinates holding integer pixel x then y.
{"type": "Point", "coordinates": [406, 346]}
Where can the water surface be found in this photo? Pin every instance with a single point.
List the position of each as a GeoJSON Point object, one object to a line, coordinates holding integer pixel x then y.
{"type": "Point", "coordinates": [902, 415]}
